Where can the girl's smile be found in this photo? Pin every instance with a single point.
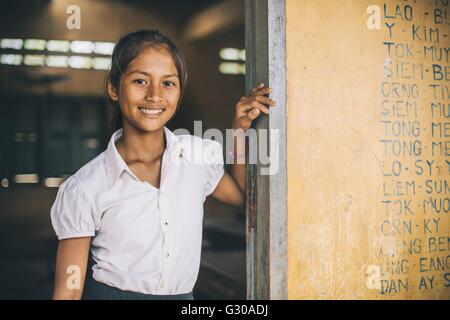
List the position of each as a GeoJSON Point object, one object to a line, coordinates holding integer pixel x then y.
{"type": "Point", "coordinates": [151, 113]}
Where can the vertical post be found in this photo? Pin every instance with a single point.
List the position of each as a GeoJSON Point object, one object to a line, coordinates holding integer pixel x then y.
{"type": "Point", "coordinates": [266, 194]}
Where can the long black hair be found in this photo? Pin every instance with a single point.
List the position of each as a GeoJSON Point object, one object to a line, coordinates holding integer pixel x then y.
{"type": "Point", "coordinates": [126, 50]}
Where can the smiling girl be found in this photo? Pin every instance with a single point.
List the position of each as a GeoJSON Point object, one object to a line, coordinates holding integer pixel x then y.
{"type": "Point", "coordinates": [138, 206]}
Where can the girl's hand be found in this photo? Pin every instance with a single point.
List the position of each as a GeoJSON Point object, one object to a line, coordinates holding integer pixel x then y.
{"type": "Point", "coordinates": [249, 108]}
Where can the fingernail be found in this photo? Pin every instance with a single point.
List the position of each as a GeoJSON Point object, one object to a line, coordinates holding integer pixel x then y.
{"type": "Point", "coordinates": [261, 84]}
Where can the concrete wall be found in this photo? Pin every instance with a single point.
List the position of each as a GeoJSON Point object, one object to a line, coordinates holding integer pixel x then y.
{"type": "Point", "coordinates": [361, 224]}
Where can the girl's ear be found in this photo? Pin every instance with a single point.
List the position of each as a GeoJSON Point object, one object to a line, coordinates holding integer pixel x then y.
{"type": "Point", "coordinates": [112, 92]}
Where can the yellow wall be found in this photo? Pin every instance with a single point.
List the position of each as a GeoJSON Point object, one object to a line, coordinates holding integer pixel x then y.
{"type": "Point", "coordinates": [343, 241]}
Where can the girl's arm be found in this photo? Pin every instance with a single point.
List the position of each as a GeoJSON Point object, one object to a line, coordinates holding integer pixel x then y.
{"type": "Point", "coordinates": [71, 263]}
{"type": "Point", "coordinates": [231, 189]}
{"type": "Point", "coordinates": [228, 191]}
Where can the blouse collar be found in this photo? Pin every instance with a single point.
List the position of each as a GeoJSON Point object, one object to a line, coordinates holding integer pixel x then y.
{"type": "Point", "coordinates": [115, 164]}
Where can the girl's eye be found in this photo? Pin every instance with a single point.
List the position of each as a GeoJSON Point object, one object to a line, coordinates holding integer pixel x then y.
{"type": "Point", "coordinates": [169, 83]}
{"type": "Point", "coordinates": [140, 81]}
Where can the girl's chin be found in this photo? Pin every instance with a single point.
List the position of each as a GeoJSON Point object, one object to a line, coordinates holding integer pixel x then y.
{"type": "Point", "coordinates": [146, 125]}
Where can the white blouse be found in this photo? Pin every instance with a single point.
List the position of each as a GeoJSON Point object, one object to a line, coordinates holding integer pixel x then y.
{"type": "Point", "coordinates": [145, 239]}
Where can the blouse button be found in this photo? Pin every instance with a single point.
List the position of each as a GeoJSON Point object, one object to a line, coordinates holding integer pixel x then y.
{"type": "Point", "coordinates": [167, 255]}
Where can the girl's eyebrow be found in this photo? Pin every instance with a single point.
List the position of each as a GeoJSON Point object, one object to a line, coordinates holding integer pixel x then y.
{"type": "Point", "coordinates": [148, 74]}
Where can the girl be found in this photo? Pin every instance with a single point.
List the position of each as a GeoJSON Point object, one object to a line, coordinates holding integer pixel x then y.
{"type": "Point", "coordinates": [138, 206]}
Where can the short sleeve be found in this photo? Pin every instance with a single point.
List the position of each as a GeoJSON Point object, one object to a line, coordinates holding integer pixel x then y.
{"type": "Point", "coordinates": [71, 213]}
{"type": "Point", "coordinates": [213, 156]}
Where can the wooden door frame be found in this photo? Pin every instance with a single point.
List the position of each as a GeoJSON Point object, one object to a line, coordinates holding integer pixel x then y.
{"type": "Point", "coordinates": [266, 207]}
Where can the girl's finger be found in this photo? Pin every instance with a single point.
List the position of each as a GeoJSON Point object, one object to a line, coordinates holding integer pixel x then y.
{"type": "Point", "coordinates": [262, 91]}
{"type": "Point", "coordinates": [244, 106]}
{"type": "Point", "coordinates": [252, 115]}
{"type": "Point", "coordinates": [252, 104]}
{"type": "Point", "coordinates": [265, 100]}
{"type": "Point", "coordinates": [258, 87]}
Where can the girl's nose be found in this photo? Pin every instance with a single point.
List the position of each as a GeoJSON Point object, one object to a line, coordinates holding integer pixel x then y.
{"type": "Point", "coordinates": [153, 95]}
{"type": "Point", "coordinates": [153, 99]}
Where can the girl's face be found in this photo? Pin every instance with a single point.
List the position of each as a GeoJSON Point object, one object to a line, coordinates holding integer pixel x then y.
{"type": "Point", "coordinates": [149, 90]}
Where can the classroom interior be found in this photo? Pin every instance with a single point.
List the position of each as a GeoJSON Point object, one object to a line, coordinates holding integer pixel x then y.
{"type": "Point", "coordinates": [54, 118]}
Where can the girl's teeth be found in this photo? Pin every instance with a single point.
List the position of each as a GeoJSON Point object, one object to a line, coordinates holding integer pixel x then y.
{"type": "Point", "coordinates": [151, 111]}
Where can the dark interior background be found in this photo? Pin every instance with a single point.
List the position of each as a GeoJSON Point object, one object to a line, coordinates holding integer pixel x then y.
{"type": "Point", "coordinates": [54, 120]}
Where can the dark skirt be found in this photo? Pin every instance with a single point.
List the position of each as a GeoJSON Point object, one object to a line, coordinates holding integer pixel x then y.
{"type": "Point", "coordinates": [95, 290]}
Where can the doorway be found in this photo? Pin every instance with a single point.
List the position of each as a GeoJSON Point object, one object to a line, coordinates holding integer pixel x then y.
{"type": "Point", "coordinates": [266, 208]}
